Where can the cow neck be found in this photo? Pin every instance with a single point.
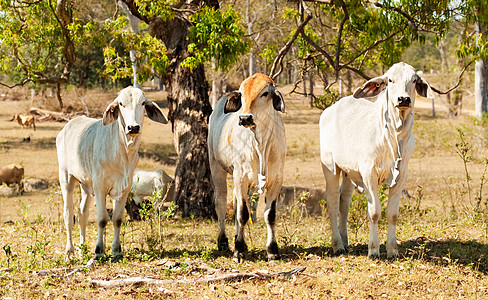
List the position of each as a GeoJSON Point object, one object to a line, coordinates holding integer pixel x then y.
{"type": "Point", "coordinates": [389, 122]}
{"type": "Point", "coordinates": [262, 132]}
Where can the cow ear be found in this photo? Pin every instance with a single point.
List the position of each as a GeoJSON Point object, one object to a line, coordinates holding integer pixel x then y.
{"type": "Point", "coordinates": [278, 102]}
{"type": "Point", "coordinates": [371, 88]}
{"type": "Point", "coordinates": [154, 112]}
{"type": "Point", "coordinates": [111, 113]}
{"type": "Point", "coordinates": [423, 88]}
{"type": "Point", "coordinates": [233, 102]}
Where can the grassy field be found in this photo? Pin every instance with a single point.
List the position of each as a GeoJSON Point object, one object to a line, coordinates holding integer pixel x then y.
{"type": "Point", "coordinates": [442, 230]}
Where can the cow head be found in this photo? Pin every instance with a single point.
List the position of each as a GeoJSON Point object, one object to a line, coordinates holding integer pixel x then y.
{"type": "Point", "coordinates": [401, 82]}
{"type": "Point", "coordinates": [130, 106]}
{"type": "Point", "coordinates": [256, 94]}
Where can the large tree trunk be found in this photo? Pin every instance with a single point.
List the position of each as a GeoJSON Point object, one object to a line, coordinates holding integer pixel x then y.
{"type": "Point", "coordinates": [189, 109]}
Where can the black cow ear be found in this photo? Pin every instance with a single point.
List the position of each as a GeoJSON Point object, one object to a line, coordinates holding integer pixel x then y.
{"type": "Point", "coordinates": [278, 102]}
{"type": "Point", "coordinates": [233, 102]}
{"type": "Point", "coordinates": [423, 88]}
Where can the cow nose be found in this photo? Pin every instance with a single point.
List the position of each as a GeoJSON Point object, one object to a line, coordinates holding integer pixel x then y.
{"type": "Point", "coordinates": [404, 101]}
{"type": "Point", "coordinates": [246, 120]}
{"type": "Point", "coordinates": [133, 129]}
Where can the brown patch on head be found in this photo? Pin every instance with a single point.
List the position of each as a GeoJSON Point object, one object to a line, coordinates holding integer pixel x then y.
{"type": "Point", "coordinates": [251, 87]}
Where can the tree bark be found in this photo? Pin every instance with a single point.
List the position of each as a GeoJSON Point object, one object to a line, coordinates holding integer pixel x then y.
{"type": "Point", "coordinates": [189, 110]}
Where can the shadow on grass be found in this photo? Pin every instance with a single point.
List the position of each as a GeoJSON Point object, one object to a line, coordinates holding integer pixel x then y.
{"type": "Point", "coordinates": [470, 254]}
{"type": "Point", "coordinates": [27, 142]}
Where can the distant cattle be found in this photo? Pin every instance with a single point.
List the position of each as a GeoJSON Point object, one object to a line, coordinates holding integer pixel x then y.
{"type": "Point", "coordinates": [25, 120]}
{"type": "Point", "coordinates": [146, 183]}
{"type": "Point", "coordinates": [101, 155]}
{"type": "Point", "coordinates": [247, 139]}
{"type": "Point", "coordinates": [12, 174]}
{"type": "Point", "coordinates": [366, 143]}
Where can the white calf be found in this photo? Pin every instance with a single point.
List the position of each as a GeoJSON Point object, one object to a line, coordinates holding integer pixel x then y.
{"type": "Point", "coordinates": [145, 183]}
{"type": "Point", "coordinates": [101, 155]}
{"type": "Point", "coordinates": [365, 144]}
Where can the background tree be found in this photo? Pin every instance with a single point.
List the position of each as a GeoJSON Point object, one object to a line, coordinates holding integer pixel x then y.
{"type": "Point", "coordinates": [192, 35]}
{"type": "Point", "coordinates": [35, 41]}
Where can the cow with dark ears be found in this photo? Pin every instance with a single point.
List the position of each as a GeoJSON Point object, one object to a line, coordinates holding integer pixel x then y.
{"type": "Point", "coordinates": [247, 139]}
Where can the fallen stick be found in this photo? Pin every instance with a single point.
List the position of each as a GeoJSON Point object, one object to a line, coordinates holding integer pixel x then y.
{"type": "Point", "coordinates": [89, 265]}
{"type": "Point", "coordinates": [211, 279]}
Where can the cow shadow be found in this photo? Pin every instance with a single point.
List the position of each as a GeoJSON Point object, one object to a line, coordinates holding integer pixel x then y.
{"type": "Point", "coordinates": [471, 253]}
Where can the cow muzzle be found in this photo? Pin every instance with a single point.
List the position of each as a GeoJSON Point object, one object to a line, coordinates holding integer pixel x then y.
{"type": "Point", "coordinates": [133, 129]}
{"type": "Point", "coordinates": [404, 102]}
{"type": "Point", "coordinates": [246, 121]}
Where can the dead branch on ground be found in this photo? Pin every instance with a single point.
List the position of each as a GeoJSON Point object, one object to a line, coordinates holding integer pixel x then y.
{"type": "Point", "coordinates": [48, 115]}
{"type": "Point", "coordinates": [67, 271]}
{"type": "Point", "coordinates": [139, 280]}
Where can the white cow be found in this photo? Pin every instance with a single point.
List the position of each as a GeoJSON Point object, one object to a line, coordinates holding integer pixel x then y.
{"type": "Point", "coordinates": [367, 144]}
{"type": "Point", "coordinates": [145, 183]}
{"type": "Point", "coordinates": [247, 139]}
{"type": "Point", "coordinates": [101, 155]}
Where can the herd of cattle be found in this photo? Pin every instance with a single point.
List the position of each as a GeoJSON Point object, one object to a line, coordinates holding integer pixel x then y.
{"type": "Point", "coordinates": [365, 140]}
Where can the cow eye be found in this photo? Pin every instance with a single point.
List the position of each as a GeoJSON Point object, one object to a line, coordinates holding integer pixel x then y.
{"type": "Point", "coordinates": [265, 94]}
{"type": "Point", "coordinates": [120, 103]}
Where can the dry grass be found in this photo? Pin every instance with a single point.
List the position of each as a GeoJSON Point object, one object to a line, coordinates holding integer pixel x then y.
{"type": "Point", "coordinates": [443, 241]}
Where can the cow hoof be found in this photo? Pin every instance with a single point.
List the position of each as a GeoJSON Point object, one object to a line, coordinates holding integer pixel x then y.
{"type": "Point", "coordinates": [70, 249]}
{"type": "Point", "coordinates": [273, 257]}
{"type": "Point", "coordinates": [99, 256]}
{"type": "Point", "coordinates": [340, 252]}
{"type": "Point", "coordinates": [238, 257]}
{"type": "Point", "coordinates": [223, 244]}
{"type": "Point", "coordinates": [273, 253]}
{"type": "Point", "coordinates": [374, 256]}
{"type": "Point", "coordinates": [392, 256]}
{"type": "Point", "coordinates": [117, 257]}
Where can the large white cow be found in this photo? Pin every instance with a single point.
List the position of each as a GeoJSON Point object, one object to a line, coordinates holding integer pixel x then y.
{"type": "Point", "coordinates": [247, 139]}
{"type": "Point", "coordinates": [101, 155]}
{"type": "Point", "coordinates": [366, 144]}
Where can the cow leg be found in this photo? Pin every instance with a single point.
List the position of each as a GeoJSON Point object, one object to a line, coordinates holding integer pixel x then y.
{"type": "Point", "coordinates": [67, 184]}
{"type": "Point", "coordinates": [102, 219]}
{"type": "Point", "coordinates": [347, 189]}
{"type": "Point", "coordinates": [332, 194]}
{"type": "Point", "coordinates": [374, 213]}
{"type": "Point", "coordinates": [270, 218]}
{"type": "Point", "coordinates": [118, 214]}
{"type": "Point", "coordinates": [86, 200]}
{"type": "Point", "coordinates": [392, 208]}
{"type": "Point", "coordinates": [219, 179]}
{"type": "Point", "coordinates": [241, 217]}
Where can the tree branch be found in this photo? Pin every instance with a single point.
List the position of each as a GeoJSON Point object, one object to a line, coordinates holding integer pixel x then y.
{"type": "Point", "coordinates": [339, 38]}
{"type": "Point", "coordinates": [286, 48]}
{"type": "Point", "coordinates": [133, 10]}
{"type": "Point", "coordinates": [458, 82]}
